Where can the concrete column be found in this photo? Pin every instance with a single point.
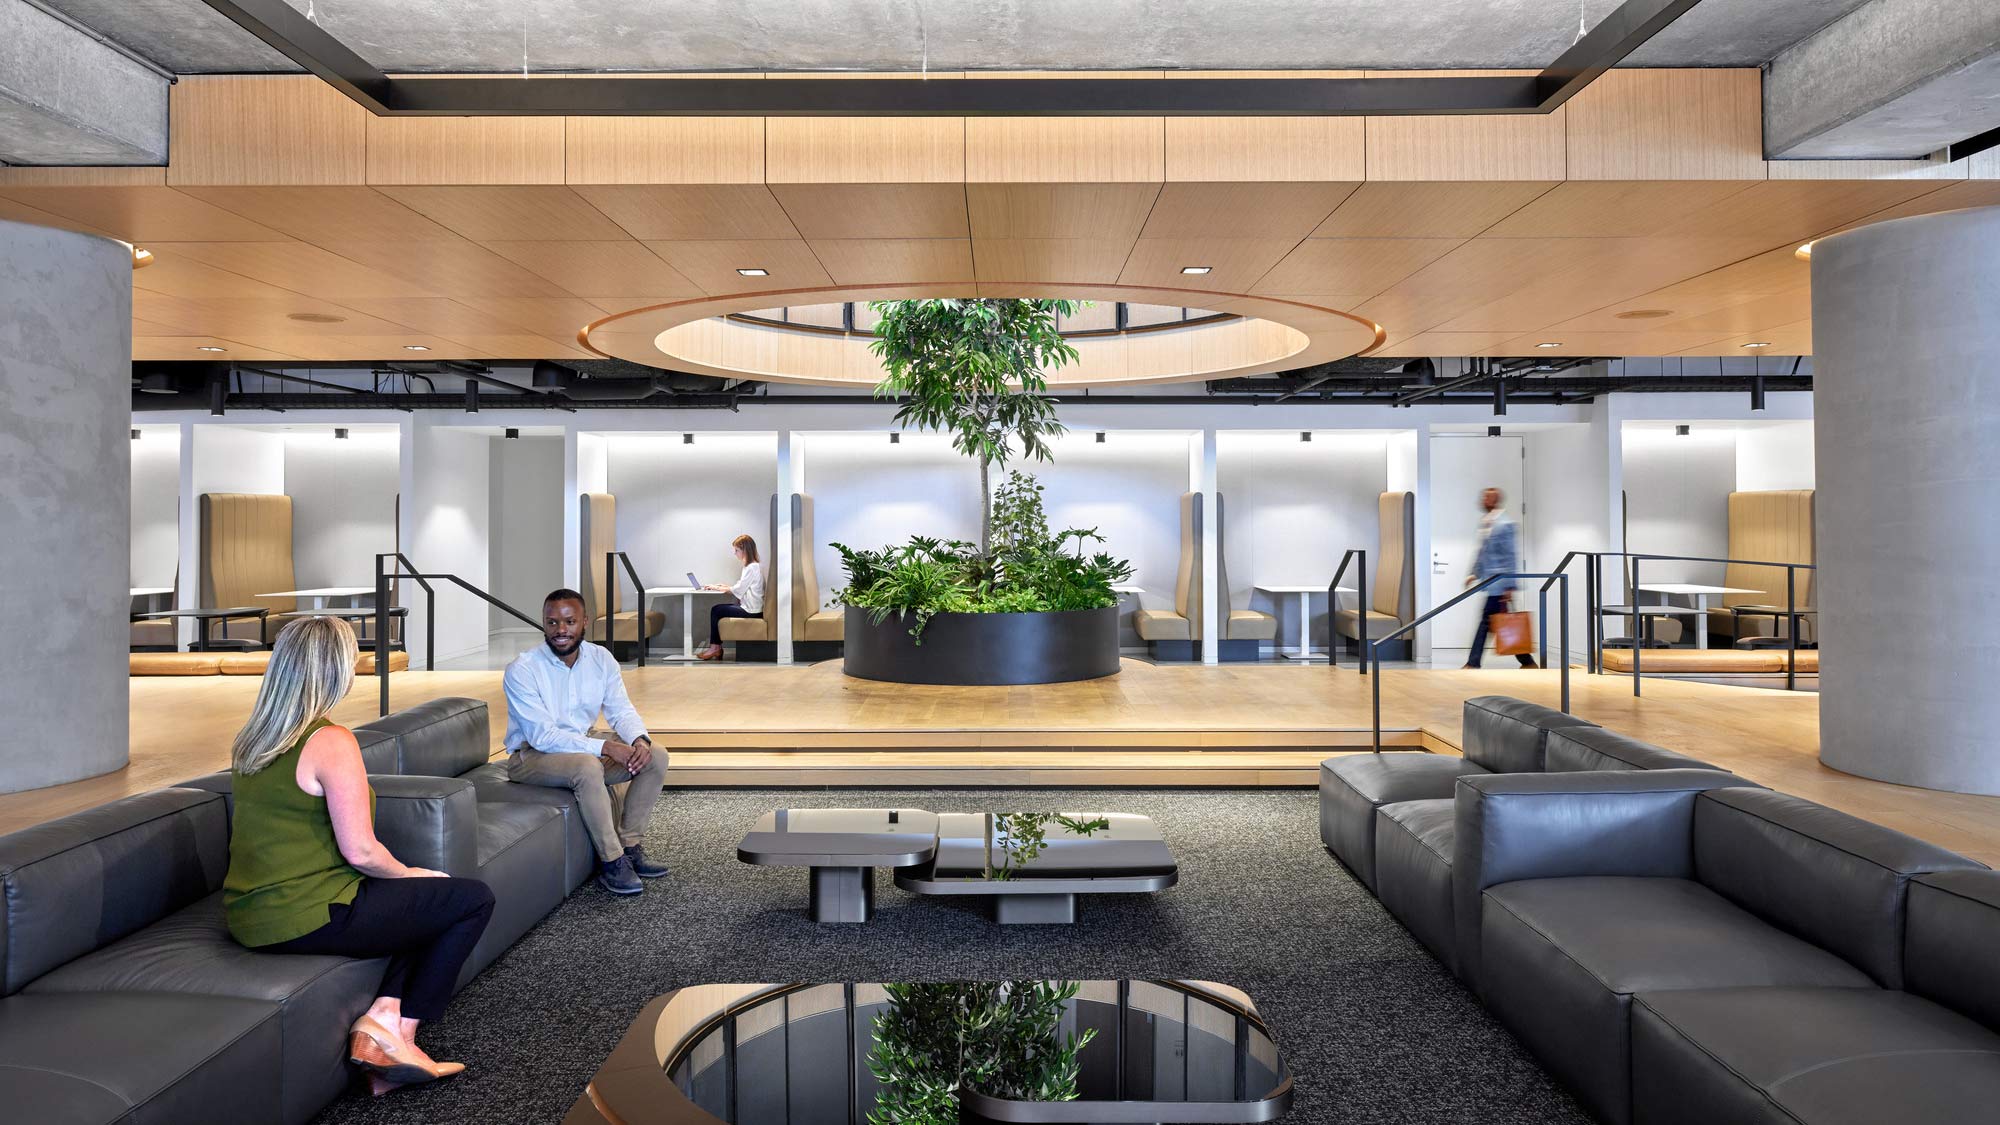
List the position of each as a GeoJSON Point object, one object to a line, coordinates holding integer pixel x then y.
{"type": "Point", "coordinates": [1904, 336]}
{"type": "Point", "coordinates": [65, 526]}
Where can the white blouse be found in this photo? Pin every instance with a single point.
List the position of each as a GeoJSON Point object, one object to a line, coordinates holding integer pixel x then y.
{"type": "Point", "coordinates": [749, 589]}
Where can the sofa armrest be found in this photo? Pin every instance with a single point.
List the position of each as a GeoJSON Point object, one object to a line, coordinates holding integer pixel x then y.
{"type": "Point", "coordinates": [1560, 825]}
{"type": "Point", "coordinates": [428, 821]}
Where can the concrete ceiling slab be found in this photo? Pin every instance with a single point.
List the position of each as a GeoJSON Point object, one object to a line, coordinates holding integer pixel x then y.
{"type": "Point", "coordinates": [949, 35]}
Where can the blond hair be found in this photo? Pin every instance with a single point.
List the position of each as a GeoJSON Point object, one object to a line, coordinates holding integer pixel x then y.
{"type": "Point", "coordinates": [312, 666]}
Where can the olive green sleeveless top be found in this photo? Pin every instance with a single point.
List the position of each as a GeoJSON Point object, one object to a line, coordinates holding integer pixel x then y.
{"type": "Point", "coordinates": [285, 868]}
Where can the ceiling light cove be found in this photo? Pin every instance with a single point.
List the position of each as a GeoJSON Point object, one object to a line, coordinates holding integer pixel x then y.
{"type": "Point", "coordinates": [753, 271]}
{"type": "Point", "coordinates": [209, 348]}
{"type": "Point", "coordinates": [1550, 344]}
{"type": "Point", "coordinates": [415, 348]}
{"type": "Point", "coordinates": [1195, 271]}
{"type": "Point", "coordinates": [1758, 344]}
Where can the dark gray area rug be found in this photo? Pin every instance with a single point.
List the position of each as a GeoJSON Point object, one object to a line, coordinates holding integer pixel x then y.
{"type": "Point", "coordinates": [1372, 1027]}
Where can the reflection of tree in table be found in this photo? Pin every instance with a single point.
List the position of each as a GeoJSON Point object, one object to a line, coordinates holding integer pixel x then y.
{"type": "Point", "coordinates": [1022, 836]}
{"type": "Point", "coordinates": [1001, 1038]}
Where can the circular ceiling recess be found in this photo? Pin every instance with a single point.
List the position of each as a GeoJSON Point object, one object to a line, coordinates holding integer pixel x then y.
{"type": "Point", "coordinates": [1213, 335]}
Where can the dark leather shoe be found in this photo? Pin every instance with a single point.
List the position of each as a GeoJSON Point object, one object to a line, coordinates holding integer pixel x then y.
{"type": "Point", "coordinates": [643, 867]}
{"type": "Point", "coordinates": [618, 877]}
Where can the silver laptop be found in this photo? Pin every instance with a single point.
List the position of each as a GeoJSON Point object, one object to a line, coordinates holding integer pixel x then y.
{"type": "Point", "coordinates": [693, 582]}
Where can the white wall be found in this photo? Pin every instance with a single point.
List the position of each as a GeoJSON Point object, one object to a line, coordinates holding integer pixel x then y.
{"type": "Point", "coordinates": [1775, 456]}
{"type": "Point", "coordinates": [680, 505]}
{"type": "Point", "coordinates": [445, 511]}
{"type": "Point", "coordinates": [524, 520]}
{"type": "Point", "coordinates": [1566, 490]}
{"type": "Point", "coordinates": [1129, 489]}
{"type": "Point", "coordinates": [221, 458]}
{"type": "Point", "coordinates": [870, 494]}
{"type": "Point", "coordinates": [1293, 508]}
{"type": "Point", "coordinates": [343, 504]}
{"type": "Point", "coordinates": [156, 506]}
{"type": "Point", "coordinates": [1677, 497]}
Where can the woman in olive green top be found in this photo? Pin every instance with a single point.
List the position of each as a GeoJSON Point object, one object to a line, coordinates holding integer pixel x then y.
{"type": "Point", "coordinates": [307, 875]}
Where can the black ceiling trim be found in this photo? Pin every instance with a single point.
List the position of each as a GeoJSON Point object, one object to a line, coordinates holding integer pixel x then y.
{"type": "Point", "coordinates": [288, 31]}
{"type": "Point", "coordinates": [1971, 145]}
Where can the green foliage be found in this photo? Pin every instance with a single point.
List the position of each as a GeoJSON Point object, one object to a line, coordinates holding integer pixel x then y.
{"type": "Point", "coordinates": [1022, 837]}
{"type": "Point", "coordinates": [1030, 570]}
{"type": "Point", "coordinates": [1001, 1038]}
{"type": "Point", "coordinates": [975, 369]}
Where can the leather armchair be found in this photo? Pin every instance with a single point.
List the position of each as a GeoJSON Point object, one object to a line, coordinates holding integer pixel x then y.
{"type": "Point", "coordinates": [429, 822]}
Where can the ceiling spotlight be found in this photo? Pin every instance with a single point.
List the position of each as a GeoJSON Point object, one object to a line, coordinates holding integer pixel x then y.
{"type": "Point", "coordinates": [415, 348]}
{"type": "Point", "coordinates": [1100, 437]}
{"type": "Point", "coordinates": [754, 272]}
{"type": "Point", "coordinates": [510, 433]}
{"type": "Point", "coordinates": [1681, 431]}
{"type": "Point", "coordinates": [1492, 431]}
{"type": "Point", "coordinates": [209, 348]}
{"type": "Point", "coordinates": [687, 439]}
{"type": "Point", "coordinates": [1758, 344]}
{"type": "Point", "coordinates": [1195, 271]}
{"type": "Point", "coordinates": [135, 433]}
{"type": "Point", "coordinates": [1305, 435]}
{"type": "Point", "coordinates": [1550, 344]}
{"type": "Point", "coordinates": [340, 433]}
{"type": "Point", "coordinates": [895, 437]}
{"type": "Point", "coordinates": [1804, 252]}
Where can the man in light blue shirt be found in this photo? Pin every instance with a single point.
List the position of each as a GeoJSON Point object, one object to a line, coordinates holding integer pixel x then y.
{"type": "Point", "coordinates": [1499, 553]}
{"type": "Point", "coordinates": [555, 692]}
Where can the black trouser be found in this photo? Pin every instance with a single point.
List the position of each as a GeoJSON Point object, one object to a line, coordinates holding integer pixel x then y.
{"type": "Point", "coordinates": [425, 926]}
{"type": "Point", "coordinates": [717, 612]}
{"type": "Point", "coordinates": [1495, 603]}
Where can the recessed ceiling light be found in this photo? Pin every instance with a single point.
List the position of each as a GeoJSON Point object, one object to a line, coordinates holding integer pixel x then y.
{"type": "Point", "coordinates": [1682, 431]}
{"type": "Point", "coordinates": [209, 348]}
{"type": "Point", "coordinates": [415, 348]}
{"type": "Point", "coordinates": [1804, 252]}
{"type": "Point", "coordinates": [1100, 437]}
{"type": "Point", "coordinates": [1550, 344]}
{"type": "Point", "coordinates": [895, 437]}
{"type": "Point", "coordinates": [1644, 314]}
{"type": "Point", "coordinates": [1757, 344]}
{"type": "Point", "coordinates": [1193, 270]}
{"type": "Point", "coordinates": [754, 272]}
{"type": "Point", "coordinates": [135, 434]}
{"type": "Point", "coordinates": [1492, 431]}
{"type": "Point", "coordinates": [687, 439]}
{"type": "Point", "coordinates": [340, 433]}
{"type": "Point", "coordinates": [511, 433]}
{"type": "Point", "coordinates": [1305, 435]}
{"type": "Point", "coordinates": [315, 318]}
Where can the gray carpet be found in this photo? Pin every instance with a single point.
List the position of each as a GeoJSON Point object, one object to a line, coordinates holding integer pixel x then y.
{"type": "Point", "coordinates": [1372, 1027]}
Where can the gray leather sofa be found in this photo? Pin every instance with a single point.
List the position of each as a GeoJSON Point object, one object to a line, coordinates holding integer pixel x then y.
{"type": "Point", "coordinates": [1390, 817]}
{"type": "Point", "coordinates": [1682, 946]}
{"type": "Point", "coordinates": [122, 995]}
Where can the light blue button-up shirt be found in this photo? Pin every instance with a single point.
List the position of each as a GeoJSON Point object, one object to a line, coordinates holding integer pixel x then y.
{"type": "Point", "coordinates": [551, 706]}
{"type": "Point", "coordinates": [1499, 551]}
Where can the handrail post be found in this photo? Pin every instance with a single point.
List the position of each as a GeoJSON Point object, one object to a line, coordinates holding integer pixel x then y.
{"type": "Point", "coordinates": [1361, 606]}
{"type": "Point", "coordinates": [1791, 629]}
{"type": "Point", "coordinates": [1638, 638]}
{"type": "Point", "coordinates": [1563, 635]}
{"type": "Point", "coordinates": [382, 632]}
{"type": "Point", "coordinates": [1542, 639]}
{"type": "Point", "coordinates": [607, 601]}
{"type": "Point", "coordinates": [430, 624]}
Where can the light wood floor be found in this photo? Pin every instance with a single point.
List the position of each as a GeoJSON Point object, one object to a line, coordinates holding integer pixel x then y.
{"type": "Point", "coordinates": [1152, 724]}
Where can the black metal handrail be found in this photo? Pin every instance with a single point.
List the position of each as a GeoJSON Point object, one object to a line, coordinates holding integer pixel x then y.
{"type": "Point", "coordinates": [1375, 647]}
{"type": "Point", "coordinates": [1791, 614]}
{"type": "Point", "coordinates": [1360, 610]}
{"type": "Point", "coordinates": [611, 602]}
{"type": "Point", "coordinates": [382, 580]}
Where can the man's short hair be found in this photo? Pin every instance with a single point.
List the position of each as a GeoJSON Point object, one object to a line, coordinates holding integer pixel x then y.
{"type": "Point", "coordinates": [563, 594]}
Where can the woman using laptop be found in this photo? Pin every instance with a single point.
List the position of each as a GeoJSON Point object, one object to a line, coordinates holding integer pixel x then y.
{"type": "Point", "coordinates": [749, 591]}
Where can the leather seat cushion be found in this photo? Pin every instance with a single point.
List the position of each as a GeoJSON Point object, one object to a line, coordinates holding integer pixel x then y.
{"type": "Point", "coordinates": [1413, 842]}
{"type": "Point", "coordinates": [746, 629]}
{"type": "Point", "coordinates": [1347, 623]}
{"type": "Point", "coordinates": [521, 858]}
{"type": "Point", "coordinates": [190, 952]}
{"type": "Point", "coordinates": [492, 785]}
{"type": "Point", "coordinates": [1561, 958]}
{"type": "Point", "coordinates": [442, 737]}
{"type": "Point", "coordinates": [1250, 625]}
{"type": "Point", "coordinates": [826, 625]}
{"type": "Point", "coordinates": [1161, 625]}
{"type": "Point", "coordinates": [656, 623]}
{"type": "Point", "coordinates": [156, 631]}
{"type": "Point", "coordinates": [139, 1057]}
{"type": "Point", "coordinates": [175, 663]}
{"type": "Point", "coordinates": [1352, 787]}
{"type": "Point", "coordinates": [1785, 1055]}
{"type": "Point", "coordinates": [1598, 748]}
{"type": "Point", "coordinates": [1508, 735]}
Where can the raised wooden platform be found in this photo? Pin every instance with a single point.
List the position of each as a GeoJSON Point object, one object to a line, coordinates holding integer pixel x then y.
{"type": "Point", "coordinates": [1715, 661]}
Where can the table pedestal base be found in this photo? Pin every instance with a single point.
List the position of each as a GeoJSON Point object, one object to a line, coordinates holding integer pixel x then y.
{"type": "Point", "coordinates": [842, 894]}
{"type": "Point", "coordinates": [1013, 910]}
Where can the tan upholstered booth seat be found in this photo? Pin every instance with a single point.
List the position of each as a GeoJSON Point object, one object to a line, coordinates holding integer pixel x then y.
{"type": "Point", "coordinates": [1347, 623]}
{"type": "Point", "coordinates": [748, 628]}
{"type": "Point", "coordinates": [1725, 625]}
{"type": "Point", "coordinates": [624, 623]}
{"type": "Point", "coordinates": [825, 625]}
{"type": "Point", "coordinates": [236, 663]}
{"type": "Point", "coordinates": [764, 626]}
{"type": "Point", "coordinates": [1161, 625]}
{"type": "Point", "coordinates": [156, 633]}
{"type": "Point", "coordinates": [1392, 590]}
{"type": "Point", "coordinates": [1250, 625]}
{"type": "Point", "coordinates": [1722, 660]}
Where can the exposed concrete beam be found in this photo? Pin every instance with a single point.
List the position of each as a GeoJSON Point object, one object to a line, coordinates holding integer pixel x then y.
{"type": "Point", "coordinates": [67, 98]}
{"type": "Point", "coordinates": [1893, 78]}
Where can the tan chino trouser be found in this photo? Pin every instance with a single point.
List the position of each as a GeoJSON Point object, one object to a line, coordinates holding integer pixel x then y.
{"type": "Point", "coordinates": [615, 821]}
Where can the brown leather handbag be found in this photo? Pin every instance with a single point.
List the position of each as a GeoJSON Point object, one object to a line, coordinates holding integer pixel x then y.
{"type": "Point", "coordinates": [1513, 632]}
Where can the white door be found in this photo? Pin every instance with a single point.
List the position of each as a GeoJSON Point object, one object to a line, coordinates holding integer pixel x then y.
{"type": "Point", "coordinates": [1462, 466]}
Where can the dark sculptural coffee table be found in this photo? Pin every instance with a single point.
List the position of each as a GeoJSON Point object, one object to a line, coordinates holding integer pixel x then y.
{"type": "Point", "coordinates": [829, 1054]}
{"type": "Point", "coordinates": [1032, 865]}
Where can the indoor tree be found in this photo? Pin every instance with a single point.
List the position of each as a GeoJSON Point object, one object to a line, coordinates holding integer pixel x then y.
{"type": "Point", "coordinates": [975, 368]}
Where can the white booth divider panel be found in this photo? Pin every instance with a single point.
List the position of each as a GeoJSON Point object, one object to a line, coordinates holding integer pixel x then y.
{"type": "Point", "coordinates": [1677, 495]}
{"type": "Point", "coordinates": [343, 494]}
{"type": "Point", "coordinates": [156, 506]}
{"type": "Point", "coordinates": [525, 520]}
{"type": "Point", "coordinates": [680, 505]}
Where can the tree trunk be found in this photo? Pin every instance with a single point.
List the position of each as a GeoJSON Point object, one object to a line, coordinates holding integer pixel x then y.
{"type": "Point", "coordinates": [985, 513]}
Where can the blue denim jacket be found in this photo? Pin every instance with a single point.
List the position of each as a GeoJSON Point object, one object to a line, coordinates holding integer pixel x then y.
{"type": "Point", "coordinates": [1499, 553]}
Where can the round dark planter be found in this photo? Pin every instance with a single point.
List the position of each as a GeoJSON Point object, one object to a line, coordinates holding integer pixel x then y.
{"type": "Point", "coordinates": [985, 648]}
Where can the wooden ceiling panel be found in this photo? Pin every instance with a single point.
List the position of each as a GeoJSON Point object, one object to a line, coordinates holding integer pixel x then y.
{"type": "Point", "coordinates": [1489, 266]}
{"type": "Point", "coordinates": [1444, 344]}
{"type": "Point", "coordinates": [618, 269]}
{"type": "Point", "coordinates": [1694, 311]}
{"type": "Point", "coordinates": [1234, 264]}
{"type": "Point", "coordinates": [889, 261]}
{"type": "Point", "coordinates": [264, 129]}
{"type": "Point", "coordinates": [664, 150]}
{"type": "Point", "coordinates": [875, 210]}
{"type": "Point", "coordinates": [1352, 265]}
{"type": "Point", "coordinates": [1404, 315]}
{"type": "Point", "coordinates": [1065, 150]}
{"type": "Point", "coordinates": [320, 214]}
{"type": "Point", "coordinates": [1668, 124]}
{"type": "Point", "coordinates": [1059, 210]}
{"type": "Point", "coordinates": [176, 273]}
{"type": "Point", "coordinates": [864, 150]}
{"type": "Point", "coordinates": [1645, 342]}
{"type": "Point", "coordinates": [1243, 210]}
{"type": "Point", "coordinates": [1596, 271]}
{"type": "Point", "coordinates": [1614, 209]}
{"type": "Point", "coordinates": [1526, 146]}
{"type": "Point", "coordinates": [459, 268]}
{"type": "Point", "coordinates": [14, 212]}
{"type": "Point", "coordinates": [390, 346]}
{"type": "Point", "coordinates": [232, 317]}
{"type": "Point", "coordinates": [465, 150]}
{"type": "Point", "coordinates": [1266, 148]}
{"type": "Point", "coordinates": [140, 214]}
{"type": "Point", "coordinates": [521, 346]}
{"type": "Point", "coordinates": [1785, 339]}
{"type": "Point", "coordinates": [1433, 210]}
{"type": "Point", "coordinates": [515, 212]}
{"type": "Point", "coordinates": [677, 212]}
{"type": "Point", "coordinates": [559, 318]}
{"type": "Point", "coordinates": [150, 346]}
{"type": "Point", "coordinates": [712, 264]}
{"type": "Point", "coordinates": [439, 316]}
{"type": "Point", "coordinates": [1951, 197]}
{"type": "Point", "coordinates": [1082, 260]}
{"type": "Point", "coordinates": [296, 266]}
{"type": "Point", "coordinates": [1796, 210]}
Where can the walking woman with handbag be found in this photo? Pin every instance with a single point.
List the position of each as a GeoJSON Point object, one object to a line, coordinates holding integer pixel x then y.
{"type": "Point", "coordinates": [1499, 553]}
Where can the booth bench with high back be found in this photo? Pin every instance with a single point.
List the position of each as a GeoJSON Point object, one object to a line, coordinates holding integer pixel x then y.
{"type": "Point", "coordinates": [122, 995]}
